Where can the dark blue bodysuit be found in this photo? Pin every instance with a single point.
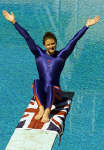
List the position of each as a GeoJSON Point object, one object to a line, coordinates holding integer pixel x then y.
{"type": "Point", "coordinates": [49, 66]}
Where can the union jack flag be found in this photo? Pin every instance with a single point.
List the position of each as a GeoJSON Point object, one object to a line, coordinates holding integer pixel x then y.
{"type": "Point", "coordinates": [57, 117]}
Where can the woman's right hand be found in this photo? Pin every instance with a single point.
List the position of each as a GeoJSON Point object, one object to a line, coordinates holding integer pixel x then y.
{"type": "Point", "coordinates": [9, 17]}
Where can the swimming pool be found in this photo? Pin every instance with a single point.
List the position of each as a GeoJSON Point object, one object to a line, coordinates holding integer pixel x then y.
{"type": "Point", "coordinates": [83, 72]}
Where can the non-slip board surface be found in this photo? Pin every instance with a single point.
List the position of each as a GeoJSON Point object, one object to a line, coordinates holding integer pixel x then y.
{"type": "Point", "coordinates": [31, 139]}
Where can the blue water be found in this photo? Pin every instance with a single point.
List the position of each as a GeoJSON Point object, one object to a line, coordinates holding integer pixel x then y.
{"type": "Point", "coordinates": [83, 72]}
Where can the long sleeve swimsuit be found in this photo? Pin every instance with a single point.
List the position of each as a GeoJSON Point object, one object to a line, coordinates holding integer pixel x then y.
{"type": "Point", "coordinates": [49, 66]}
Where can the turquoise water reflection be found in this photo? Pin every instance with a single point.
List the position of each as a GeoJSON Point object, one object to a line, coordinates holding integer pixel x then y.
{"type": "Point", "coordinates": [83, 72]}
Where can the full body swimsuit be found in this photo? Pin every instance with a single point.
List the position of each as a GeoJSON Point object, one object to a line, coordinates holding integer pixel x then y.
{"type": "Point", "coordinates": [49, 66]}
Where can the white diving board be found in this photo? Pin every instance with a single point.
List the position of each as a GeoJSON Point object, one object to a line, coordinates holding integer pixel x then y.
{"type": "Point", "coordinates": [31, 139]}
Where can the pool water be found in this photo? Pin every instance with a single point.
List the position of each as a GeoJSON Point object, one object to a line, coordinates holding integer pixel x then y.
{"type": "Point", "coordinates": [83, 72]}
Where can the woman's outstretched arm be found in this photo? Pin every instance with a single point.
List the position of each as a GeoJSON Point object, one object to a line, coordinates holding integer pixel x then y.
{"type": "Point", "coordinates": [64, 53]}
{"type": "Point", "coordinates": [33, 47]}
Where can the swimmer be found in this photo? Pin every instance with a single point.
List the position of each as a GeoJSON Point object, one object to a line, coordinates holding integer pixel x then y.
{"type": "Point", "coordinates": [50, 64]}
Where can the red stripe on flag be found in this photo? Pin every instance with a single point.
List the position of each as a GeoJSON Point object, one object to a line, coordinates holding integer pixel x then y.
{"type": "Point", "coordinates": [25, 115]}
{"type": "Point", "coordinates": [32, 103]}
{"type": "Point", "coordinates": [31, 110]}
{"type": "Point", "coordinates": [62, 113]}
{"type": "Point", "coordinates": [57, 123]}
{"type": "Point", "coordinates": [35, 124]}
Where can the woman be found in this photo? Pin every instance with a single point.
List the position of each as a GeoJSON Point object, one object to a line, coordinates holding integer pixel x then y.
{"type": "Point", "coordinates": [50, 64]}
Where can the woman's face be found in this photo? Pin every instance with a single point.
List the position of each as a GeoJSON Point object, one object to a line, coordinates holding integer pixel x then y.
{"type": "Point", "coordinates": [50, 45]}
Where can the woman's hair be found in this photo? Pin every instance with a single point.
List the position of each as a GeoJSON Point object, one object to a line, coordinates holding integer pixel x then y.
{"type": "Point", "coordinates": [49, 35]}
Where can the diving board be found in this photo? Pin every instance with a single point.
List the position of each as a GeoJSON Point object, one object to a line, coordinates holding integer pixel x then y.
{"type": "Point", "coordinates": [31, 139]}
{"type": "Point", "coordinates": [31, 134]}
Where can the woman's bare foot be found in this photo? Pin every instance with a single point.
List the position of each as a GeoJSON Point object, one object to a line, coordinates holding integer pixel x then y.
{"type": "Point", "coordinates": [40, 113]}
{"type": "Point", "coordinates": [46, 114]}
